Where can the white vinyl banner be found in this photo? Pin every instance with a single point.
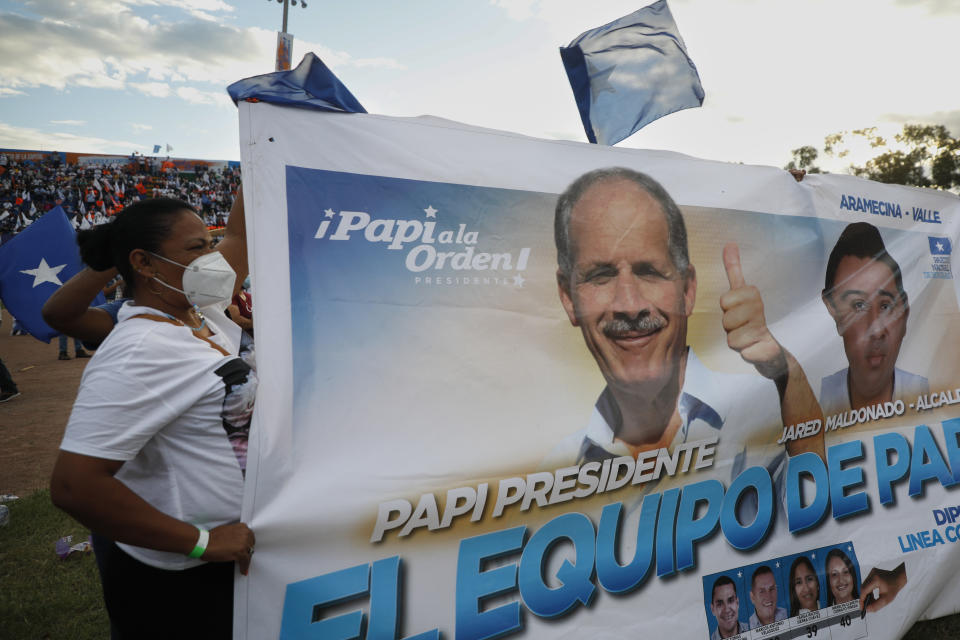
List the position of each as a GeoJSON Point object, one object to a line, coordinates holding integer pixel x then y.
{"type": "Point", "coordinates": [695, 398]}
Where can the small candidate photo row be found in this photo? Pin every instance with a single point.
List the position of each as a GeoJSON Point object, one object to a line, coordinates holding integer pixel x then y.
{"type": "Point", "coordinates": [793, 589]}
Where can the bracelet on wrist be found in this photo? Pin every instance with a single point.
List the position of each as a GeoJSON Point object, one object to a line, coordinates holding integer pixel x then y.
{"type": "Point", "coordinates": [201, 545]}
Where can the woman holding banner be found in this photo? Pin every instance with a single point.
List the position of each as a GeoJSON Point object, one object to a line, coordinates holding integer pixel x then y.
{"type": "Point", "coordinates": [154, 453]}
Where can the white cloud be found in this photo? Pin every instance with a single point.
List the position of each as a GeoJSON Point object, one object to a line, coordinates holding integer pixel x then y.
{"type": "Point", "coordinates": [517, 9]}
{"type": "Point", "coordinates": [113, 43]}
{"type": "Point", "coordinates": [949, 119]}
{"type": "Point", "coordinates": [934, 6]}
{"type": "Point", "coordinates": [333, 58]}
{"type": "Point", "coordinates": [196, 96]}
{"type": "Point", "coordinates": [202, 5]}
{"type": "Point", "coordinates": [6, 91]}
{"type": "Point", "coordinates": [28, 138]}
{"type": "Point", "coordinates": [154, 89]}
{"type": "Point", "coordinates": [75, 123]}
{"type": "Point", "coordinates": [136, 126]}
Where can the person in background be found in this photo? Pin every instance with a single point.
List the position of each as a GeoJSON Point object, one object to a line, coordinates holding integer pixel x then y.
{"type": "Point", "coordinates": [68, 310]}
{"type": "Point", "coordinates": [77, 348]}
{"type": "Point", "coordinates": [8, 388]}
{"type": "Point", "coordinates": [241, 308]}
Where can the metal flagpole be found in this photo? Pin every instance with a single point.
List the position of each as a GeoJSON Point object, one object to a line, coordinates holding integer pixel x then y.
{"type": "Point", "coordinates": [284, 39]}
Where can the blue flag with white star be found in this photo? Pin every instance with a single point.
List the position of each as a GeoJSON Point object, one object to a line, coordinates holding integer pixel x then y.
{"type": "Point", "coordinates": [628, 73]}
{"type": "Point", "coordinates": [33, 264]}
{"type": "Point", "coordinates": [939, 246]}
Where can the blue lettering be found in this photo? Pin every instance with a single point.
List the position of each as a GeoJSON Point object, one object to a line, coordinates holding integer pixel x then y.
{"type": "Point", "coordinates": [473, 584]}
{"type": "Point", "coordinates": [746, 537]}
{"type": "Point", "coordinates": [890, 472]}
{"type": "Point", "coordinates": [800, 517]}
{"type": "Point", "coordinates": [689, 528]}
{"type": "Point", "coordinates": [611, 575]}
{"type": "Point", "coordinates": [666, 524]}
{"type": "Point", "coordinates": [842, 479]}
{"type": "Point", "coordinates": [575, 584]}
{"type": "Point", "coordinates": [925, 448]}
{"type": "Point", "coordinates": [385, 602]}
{"type": "Point", "coordinates": [951, 436]}
{"type": "Point", "coordinates": [952, 533]}
{"type": "Point", "coordinates": [302, 597]}
{"type": "Point", "coordinates": [904, 547]}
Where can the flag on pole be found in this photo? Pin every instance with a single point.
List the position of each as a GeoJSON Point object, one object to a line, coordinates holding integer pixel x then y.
{"type": "Point", "coordinates": [311, 85]}
{"type": "Point", "coordinates": [33, 264]}
{"type": "Point", "coordinates": [169, 148]}
{"type": "Point", "coordinates": [628, 73]}
{"type": "Point", "coordinates": [156, 148]}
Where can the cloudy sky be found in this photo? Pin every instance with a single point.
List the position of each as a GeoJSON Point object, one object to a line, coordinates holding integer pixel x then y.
{"type": "Point", "coordinates": [114, 76]}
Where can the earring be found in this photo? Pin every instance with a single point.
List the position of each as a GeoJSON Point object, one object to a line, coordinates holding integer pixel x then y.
{"type": "Point", "coordinates": [158, 291]}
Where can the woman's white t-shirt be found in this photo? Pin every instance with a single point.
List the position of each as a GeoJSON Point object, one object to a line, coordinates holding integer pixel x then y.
{"type": "Point", "coordinates": [176, 411]}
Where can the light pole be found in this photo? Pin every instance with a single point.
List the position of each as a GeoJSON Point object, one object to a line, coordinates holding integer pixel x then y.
{"type": "Point", "coordinates": [284, 39]}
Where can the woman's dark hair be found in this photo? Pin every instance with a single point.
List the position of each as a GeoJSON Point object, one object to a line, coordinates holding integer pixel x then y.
{"type": "Point", "coordinates": [794, 600]}
{"type": "Point", "coordinates": [836, 553]}
{"type": "Point", "coordinates": [142, 225]}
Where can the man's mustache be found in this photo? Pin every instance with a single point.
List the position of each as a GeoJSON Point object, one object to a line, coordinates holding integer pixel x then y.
{"type": "Point", "coordinates": [643, 323]}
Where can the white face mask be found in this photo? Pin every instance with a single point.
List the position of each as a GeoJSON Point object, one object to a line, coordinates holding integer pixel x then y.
{"type": "Point", "coordinates": [207, 281]}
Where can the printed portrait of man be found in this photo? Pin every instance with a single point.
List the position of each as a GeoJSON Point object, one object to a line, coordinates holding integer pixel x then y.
{"type": "Point", "coordinates": [863, 292]}
{"type": "Point", "coordinates": [763, 595]}
{"type": "Point", "coordinates": [625, 279]}
{"type": "Point", "coordinates": [725, 607]}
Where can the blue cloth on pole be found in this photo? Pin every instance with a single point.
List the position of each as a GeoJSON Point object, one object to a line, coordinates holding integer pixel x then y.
{"type": "Point", "coordinates": [156, 148]}
{"type": "Point", "coordinates": [628, 73]}
{"type": "Point", "coordinates": [311, 85]}
{"type": "Point", "coordinates": [33, 264]}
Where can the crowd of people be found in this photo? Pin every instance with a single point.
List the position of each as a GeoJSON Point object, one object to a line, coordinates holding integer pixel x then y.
{"type": "Point", "coordinates": [93, 194]}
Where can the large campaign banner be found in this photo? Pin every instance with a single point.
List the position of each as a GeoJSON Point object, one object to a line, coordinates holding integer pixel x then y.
{"type": "Point", "coordinates": [694, 398]}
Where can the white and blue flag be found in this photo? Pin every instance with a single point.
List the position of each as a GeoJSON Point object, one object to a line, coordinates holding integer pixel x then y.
{"type": "Point", "coordinates": [939, 246]}
{"type": "Point", "coordinates": [630, 72]}
{"type": "Point", "coordinates": [34, 264]}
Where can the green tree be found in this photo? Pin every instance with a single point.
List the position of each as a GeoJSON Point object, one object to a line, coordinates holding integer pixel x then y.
{"type": "Point", "coordinates": [928, 156]}
{"type": "Point", "coordinates": [804, 158]}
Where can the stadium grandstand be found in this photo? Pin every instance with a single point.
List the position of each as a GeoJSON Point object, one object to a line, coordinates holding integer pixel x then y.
{"type": "Point", "coordinates": [93, 187]}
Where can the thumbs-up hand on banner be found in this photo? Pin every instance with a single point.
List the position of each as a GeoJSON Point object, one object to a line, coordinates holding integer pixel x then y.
{"type": "Point", "coordinates": [747, 334]}
{"type": "Point", "coordinates": [744, 322]}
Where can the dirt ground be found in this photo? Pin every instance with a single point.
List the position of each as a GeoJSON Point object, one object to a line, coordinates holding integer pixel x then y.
{"type": "Point", "coordinates": [31, 426]}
